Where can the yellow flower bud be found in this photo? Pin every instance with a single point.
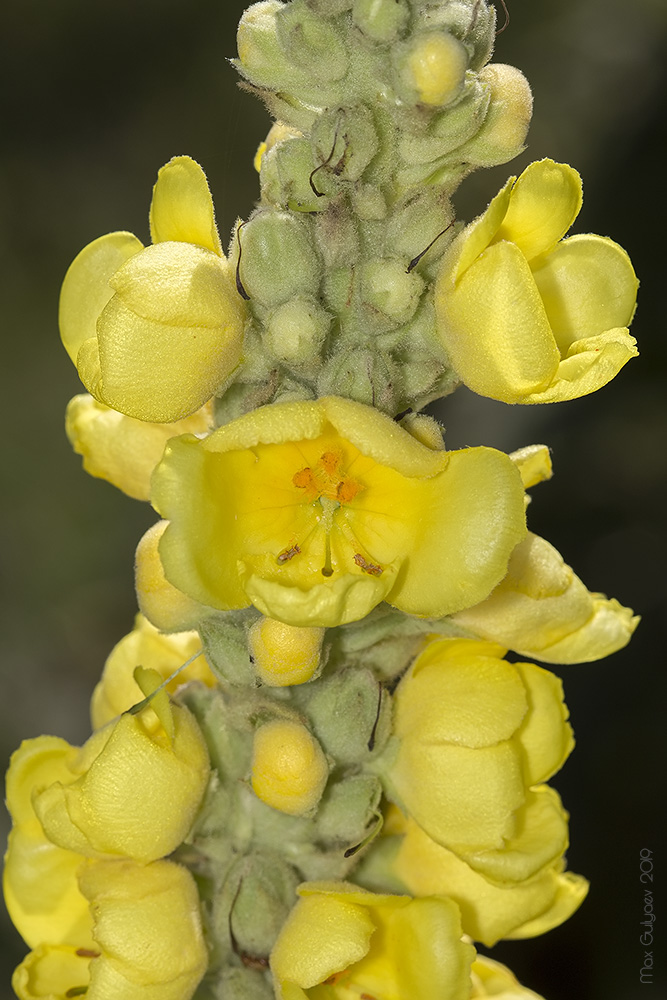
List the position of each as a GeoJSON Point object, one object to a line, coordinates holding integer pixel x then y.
{"type": "Point", "coordinates": [121, 449]}
{"type": "Point", "coordinates": [359, 511]}
{"type": "Point", "coordinates": [166, 607]}
{"type": "Point", "coordinates": [525, 315]}
{"type": "Point", "coordinates": [148, 939]}
{"type": "Point", "coordinates": [155, 331]}
{"type": "Point", "coordinates": [543, 609]}
{"type": "Point", "coordinates": [284, 654]}
{"type": "Point", "coordinates": [129, 791]}
{"type": "Point", "coordinates": [491, 979]}
{"type": "Point", "coordinates": [289, 769]}
{"type": "Point", "coordinates": [144, 645]}
{"type": "Point", "coordinates": [363, 944]}
{"type": "Point", "coordinates": [503, 133]}
{"type": "Point", "coordinates": [474, 734]}
{"type": "Point", "coordinates": [432, 67]}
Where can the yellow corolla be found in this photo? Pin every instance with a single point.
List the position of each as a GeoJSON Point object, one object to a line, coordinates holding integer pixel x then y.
{"type": "Point", "coordinates": [155, 331]}
{"type": "Point", "coordinates": [316, 511]}
{"type": "Point", "coordinates": [147, 647]}
{"type": "Point", "coordinates": [473, 735]}
{"type": "Point", "coordinates": [525, 315]}
{"type": "Point", "coordinates": [121, 449]}
{"type": "Point", "coordinates": [491, 979]}
{"type": "Point", "coordinates": [489, 911]}
{"type": "Point", "coordinates": [131, 790]}
{"type": "Point", "coordinates": [144, 939]}
{"type": "Point", "coordinates": [341, 943]}
{"type": "Point", "coordinates": [543, 609]}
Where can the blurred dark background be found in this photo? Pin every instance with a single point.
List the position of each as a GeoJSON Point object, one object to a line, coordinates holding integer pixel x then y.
{"type": "Point", "coordinates": [95, 97]}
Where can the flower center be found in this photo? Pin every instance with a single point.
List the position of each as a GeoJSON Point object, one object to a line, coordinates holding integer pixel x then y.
{"type": "Point", "coordinates": [326, 479]}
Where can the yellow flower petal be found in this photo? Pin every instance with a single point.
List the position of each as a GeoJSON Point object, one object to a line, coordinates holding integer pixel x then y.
{"type": "Point", "coordinates": [545, 734]}
{"type": "Point", "coordinates": [545, 201]}
{"type": "Point", "coordinates": [587, 284]}
{"type": "Point", "coordinates": [542, 609]}
{"type": "Point", "coordinates": [121, 449]}
{"type": "Point", "coordinates": [49, 971]}
{"type": "Point", "coordinates": [86, 289]}
{"type": "Point", "coordinates": [589, 365]}
{"type": "Point", "coordinates": [491, 979]}
{"type": "Point", "coordinates": [488, 912]}
{"type": "Point", "coordinates": [117, 690]}
{"type": "Point", "coordinates": [289, 769]}
{"type": "Point", "coordinates": [182, 207]}
{"type": "Point", "coordinates": [540, 838]}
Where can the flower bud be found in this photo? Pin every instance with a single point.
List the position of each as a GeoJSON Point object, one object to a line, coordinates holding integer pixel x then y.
{"type": "Point", "coordinates": [284, 654]}
{"type": "Point", "coordinates": [448, 129]}
{"type": "Point", "coordinates": [503, 133]}
{"type": "Point", "coordinates": [278, 132]}
{"type": "Point", "coordinates": [387, 288]}
{"type": "Point", "coordinates": [471, 21]}
{"type": "Point", "coordinates": [164, 605]}
{"type": "Point", "coordinates": [285, 178]}
{"type": "Point", "coordinates": [296, 330]}
{"type": "Point", "coordinates": [345, 141]}
{"type": "Point", "coordinates": [430, 68]}
{"type": "Point", "coordinates": [381, 20]}
{"type": "Point", "coordinates": [289, 769]}
{"type": "Point", "coordinates": [266, 889]}
{"type": "Point", "coordinates": [420, 220]}
{"type": "Point", "coordinates": [312, 45]}
{"type": "Point", "coordinates": [278, 259]}
{"type": "Point", "coordinates": [366, 376]}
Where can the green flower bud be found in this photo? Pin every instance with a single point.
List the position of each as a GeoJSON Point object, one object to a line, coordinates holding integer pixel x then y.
{"type": "Point", "coordinates": [239, 983]}
{"type": "Point", "coordinates": [381, 20]}
{"type": "Point", "coordinates": [348, 808]}
{"type": "Point", "coordinates": [285, 173]}
{"type": "Point", "coordinates": [424, 364]}
{"type": "Point", "coordinates": [310, 43]}
{"type": "Point", "coordinates": [448, 129]}
{"type": "Point", "coordinates": [266, 891]}
{"type": "Point", "coordinates": [368, 202]}
{"type": "Point", "coordinates": [261, 58]}
{"type": "Point", "coordinates": [224, 640]}
{"type": "Point", "coordinates": [337, 239]}
{"type": "Point", "coordinates": [367, 376]}
{"type": "Point", "coordinates": [296, 330]}
{"type": "Point", "coordinates": [329, 8]}
{"type": "Point", "coordinates": [345, 142]}
{"type": "Point", "coordinates": [387, 288]}
{"type": "Point", "coordinates": [421, 219]}
{"type": "Point", "coordinates": [278, 259]}
{"type": "Point", "coordinates": [430, 68]}
{"type": "Point", "coordinates": [503, 134]}
{"type": "Point", "coordinates": [349, 712]}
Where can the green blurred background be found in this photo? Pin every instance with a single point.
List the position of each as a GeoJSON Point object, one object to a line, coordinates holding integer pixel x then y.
{"type": "Point", "coordinates": [96, 96]}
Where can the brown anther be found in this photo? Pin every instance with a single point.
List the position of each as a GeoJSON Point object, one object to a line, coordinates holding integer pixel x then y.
{"type": "Point", "coordinates": [347, 490]}
{"type": "Point", "coordinates": [288, 554]}
{"type": "Point", "coordinates": [367, 567]}
{"type": "Point", "coordinates": [303, 478]}
{"type": "Point", "coordinates": [87, 953]}
{"type": "Point", "coordinates": [367, 996]}
{"type": "Point", "coordinates": [330, 461]}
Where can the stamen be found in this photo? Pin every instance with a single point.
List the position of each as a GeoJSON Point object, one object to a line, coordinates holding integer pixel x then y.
{"type": "Point", "coordinates": [77, 991]}
{"type": "Point", "coordinates": [288, 554]}
{"type": "Point", "coordinates": [371, 568]}
{"type": "Point", "coordinates": [87, 953]}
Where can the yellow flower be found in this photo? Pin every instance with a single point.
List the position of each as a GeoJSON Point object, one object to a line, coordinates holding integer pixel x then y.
{"type": "Point", "coordinates": [154, 332]}
{"type": "Point", "coordinates": [489, 911]}
{"type": "Point", "coordinates": [147, 939]}
{"type": "Point", "coordinates": [128, 791]}
{"type": "Point", "coordinates": [529, 317]}
{"type": "Point", "coordinates": [121, 449]}
{"type": "Point", "coordinates": [315, 512]}
{"type": "Point", "coordinates": [543, 609]}
{"type": "Point", "coordinates": [342, 942]}
{"type": "Point", "coordinates": [475, 734]}
{"type": "Point", "coordinates": [145, 646]}
{"type": "Point", "coordinates": [289, 769]}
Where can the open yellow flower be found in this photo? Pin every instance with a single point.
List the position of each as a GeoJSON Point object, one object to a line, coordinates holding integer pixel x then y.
{"type": "Point", "coordinates": [543, 609]}
{"type": "Point", "coordinates": [529, 317]}
{"type": "Point", "coordinates": [315, 512]}
{"type": "Point", "coordinates": [130, 791]}
{"type": "Point", "coordinates": [144, 939]}
{"type": "Point", "coordinates": [154, 332]}
{"type": "Point", "coordinates": [475, 735]}
{"type": "Point", "coordinates": [342, 942]}
{"type": "Point", "coordinates": [147, 647]}
{"type": "Point", "coordinates": [122, 449]}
